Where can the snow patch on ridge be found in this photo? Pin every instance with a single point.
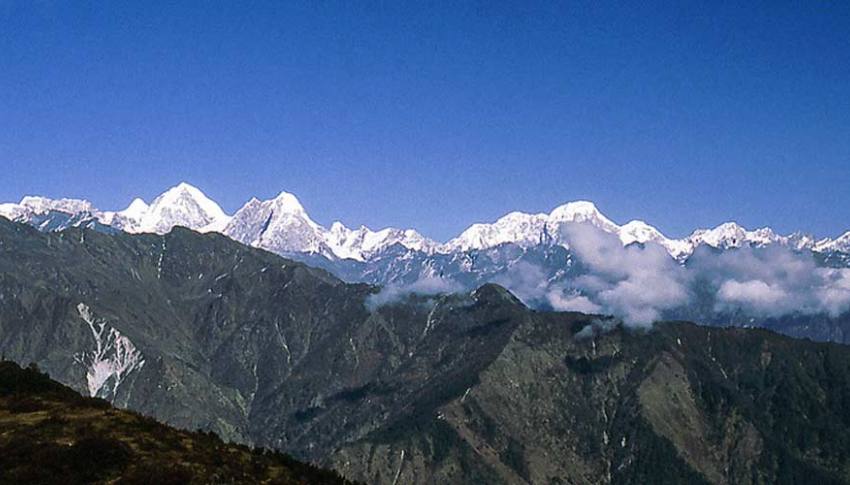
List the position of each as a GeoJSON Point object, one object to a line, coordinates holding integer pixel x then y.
{"type": "Point", "coordinates": [113, 358]}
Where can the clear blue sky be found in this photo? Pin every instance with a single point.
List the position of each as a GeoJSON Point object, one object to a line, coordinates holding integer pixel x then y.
{"type": "Point", "coordinates": [682, 113]}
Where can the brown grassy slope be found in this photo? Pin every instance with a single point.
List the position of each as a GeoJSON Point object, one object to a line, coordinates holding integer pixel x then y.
{"type": "Point", "coordinates": [51, 434]}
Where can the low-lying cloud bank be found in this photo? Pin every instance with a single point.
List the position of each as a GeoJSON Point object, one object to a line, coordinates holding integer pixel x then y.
{"type": "Point", "coordinates": [774, 281]}
{"type": "Point", "coordinates": [641, 283]}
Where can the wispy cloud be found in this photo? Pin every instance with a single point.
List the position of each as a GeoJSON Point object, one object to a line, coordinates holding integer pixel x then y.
{"type": "Point", "coordinates": [430, 285]}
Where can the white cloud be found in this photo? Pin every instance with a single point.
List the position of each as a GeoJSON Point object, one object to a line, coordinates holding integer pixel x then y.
{"type": "Point", "coordinates": [571, 302]}
{"type": "Point", "coordinates": [633, 282]}
{"type": "Point", "coordinates": [756, 295]}
{"type": "Point", "coordinates": [774, 281]}
{"type": "Point", "coordinates": [430, 285]}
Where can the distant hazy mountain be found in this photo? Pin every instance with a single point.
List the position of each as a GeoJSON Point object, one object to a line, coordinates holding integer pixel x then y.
{"type": "Point", "coordinates": [474, 387]}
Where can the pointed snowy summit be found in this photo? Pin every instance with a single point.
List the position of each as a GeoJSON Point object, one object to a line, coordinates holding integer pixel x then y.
{"type": "Point", "coordinates": [289, 204]}
{"type": "Point", "coordinates": [280, 225]}
{"type": "Point", "coordinates": [182, 205]}
{"type": "Point", "coordinates": [582, 211]}
{"type": "Point", "coordinates": [136, 209]}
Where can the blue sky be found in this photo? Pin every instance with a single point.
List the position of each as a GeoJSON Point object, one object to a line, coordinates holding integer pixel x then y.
{"type": "Point", "coordinates": [436, 116]}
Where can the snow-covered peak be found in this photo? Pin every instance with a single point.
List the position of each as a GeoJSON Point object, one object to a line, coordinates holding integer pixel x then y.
{"type": "Point", "coordinates": [733, 235]}
{"type": "Point", "coordinates": [516, 227]}
{"type": "Point", "coordinates": [52, 214]}
{"type": "Point", "coordinates": [288, 203]}
{"type": "Point", "coordinates": [40, 205]}
{"type": "Point", "coordinates": [189, 196]}
{"type": "Point", "coordinates": [639, 232]}
{"type": "Point", "coordinates": [762, 236]}
{"type": "Point", "coordinates": [279, 225]}
{"type": "Point", "coordinates": [726, 235]}
{"type": "Point", "coordinates": [571, 210]}
{"type": "Point", "coordinates": [181, 205]}
{"type": "Point", "coordinates": [346, 243]}
{"type": "Point", "coordinates": [362, 243]}
{"type": "Point", "coordinates": [36, 210]}
{"type": "Point", "coordinates": [582, 211]}
{"type": "Point", "coordinates": [136, 209]}
{"type": "Point", "coordinates": [800, 241]}
{"type": "Point", "coordinates": [416, 241]}
{"type": "Point", "coordinates": [12, 211]}
{"type": "Point", "coordinates": [530, 229]}
{"type": "Point", "coordinates": [375, 241]}
{"type": "Point", "coordinates": [841, 243]}
{"type": "Point", "coordinates": [130, 218]}
{"type": "Point", "coordinates": [338, 229]}
{"type": "Point", "coordinates": [282, 225]}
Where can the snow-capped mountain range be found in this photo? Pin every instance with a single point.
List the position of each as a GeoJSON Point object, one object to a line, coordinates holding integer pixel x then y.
{"type": "Point", "coordinates": [281, 225]}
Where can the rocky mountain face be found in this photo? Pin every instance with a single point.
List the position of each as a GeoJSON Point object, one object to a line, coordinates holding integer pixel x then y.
{"type": "Point", "coordinates": [474, 387]}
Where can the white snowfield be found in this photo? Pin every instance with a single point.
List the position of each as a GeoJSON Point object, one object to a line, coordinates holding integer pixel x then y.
{"type": "Point", "coordinates": [281, 225]}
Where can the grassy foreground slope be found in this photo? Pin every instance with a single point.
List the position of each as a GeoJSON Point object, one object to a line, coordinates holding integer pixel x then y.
{"type": "Point", "coordinates": [51, 434]}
